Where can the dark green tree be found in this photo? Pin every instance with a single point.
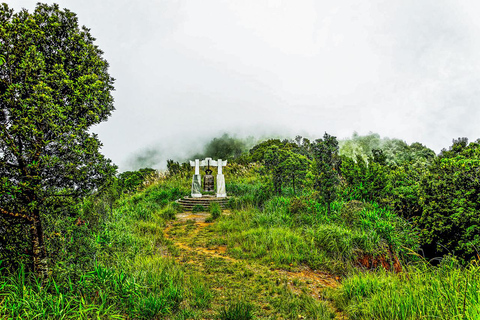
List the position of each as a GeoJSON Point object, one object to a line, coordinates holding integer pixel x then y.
{"type": "Point", "coordinates": [173, 167]}
{"type": "Point", "coordinates": [327, 163]}
{"type": "Point", "coordinates": [450, 198]}
{"type": "Point", "coordinates": [294, 167]}
{"type": "Point", "coordinates": [258, 151]}
{"type": "Point", "coordinates": [131, 181]}
{"type": "Point", "coordinates": [274, 156]}
{"type": "Point", "coordinates": [365, 181]}
{"type": "Point", "coordinates": [54, 86]}
{"type": "Point", "coordinates": [225, 147]}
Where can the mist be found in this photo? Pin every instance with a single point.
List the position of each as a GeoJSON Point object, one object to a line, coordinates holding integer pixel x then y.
{"type": "Point", "coordinates": [189, 71]}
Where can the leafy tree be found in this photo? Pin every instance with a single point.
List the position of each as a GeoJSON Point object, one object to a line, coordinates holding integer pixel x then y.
{"type": "Point", "coordinates": [274, 156]}
{"type": "Point", "coordinates": [173, 167]}
{"type": "Point", "coordinates": [295, 167]}
{"type": "Point", "coordinates": [450, 198]}
{"type": "Point", "coordinates": [327, 163]}
{"type": "Point", "coordinates": [403, 188]}
{"type": "Point", "coordinates": [303, 146]}
{"type": "Point", "coordinates": [130, 181]}
{"type": "Point", "coordinates": [378, 157]}
{"type": "Point", "coordinates": [365, 181]}
{"type": "Point", "coordinates": [259, 151]}
{"type": "Point", "coordinates": [225, 147]}
{"type": "Point", "coordinates": [54, 85]}
{"type": "Point", "coordinates": [395, 151]}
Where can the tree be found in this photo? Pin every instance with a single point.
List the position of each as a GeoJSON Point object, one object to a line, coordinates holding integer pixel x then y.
{"type": "Point", "coordinates": [258, 151]}
{"type": "Point", "coordinates": [54, 85]}
{"type": "Point", "coordinates": [225, 147]}
{"type": "Point", "coordinates": [450, 198]}
{"type": "Point", "coordinates": [327, 163]}
{"type": "Point", "coordinates": [274, 156]}
{"type": "Point", "coordinates": [295, 167]}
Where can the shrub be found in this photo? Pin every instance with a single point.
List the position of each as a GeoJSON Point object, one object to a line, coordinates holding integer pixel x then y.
{"type": "Point", "coordinates": [198, 208]}
{"type": "Point", "coordinates": [450, 199]}
{"type": "Point", "coordinates": [215, 210]}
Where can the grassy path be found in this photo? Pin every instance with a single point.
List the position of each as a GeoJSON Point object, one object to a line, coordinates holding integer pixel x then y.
{"type": "Point", "coordinates": [271, 293]}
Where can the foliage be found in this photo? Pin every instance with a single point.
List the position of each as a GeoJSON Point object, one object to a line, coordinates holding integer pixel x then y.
{"type": "Point", "coordinates": [130, 181]}
{"type": "Point", "coordinates": [445, 292]}
{"type": "Point", "coordinates": [364, 181]}
{"type": "Point", "coordinates": [403, 189]}
{"type": "Point", "coordinates": [450, 198]}
{"type": "Point", "coordinates": [198, 208]}
{"type": "Point", "coordinates": [54, 86]}
{"type": "Point", "coordinates": [327, 163]}
{"type": "Point", "coordinates": [225, 147]}
{"type": "Point", "coordinates": [259, 151]}
{"type": "Point", "coordinates": [286, 166]}
{"type": "Point", "coordinates": [273, 159]}
{"type": "Point", "coordinates": [295, 168]}
{"type": "Point", "coordinates": [215, 210]}
{"type": "Point", "coordinates": [395, 151]}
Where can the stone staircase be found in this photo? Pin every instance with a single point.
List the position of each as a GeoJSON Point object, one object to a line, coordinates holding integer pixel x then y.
{"type": "Point", "coordinates": [188, 203]}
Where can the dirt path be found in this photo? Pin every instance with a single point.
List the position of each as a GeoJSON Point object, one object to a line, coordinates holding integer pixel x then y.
{"type": "Point", "coordinates": [189, 233]}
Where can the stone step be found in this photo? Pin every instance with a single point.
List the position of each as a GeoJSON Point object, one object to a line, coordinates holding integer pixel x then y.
{"type": "Point", "coordinates": [188, 203]}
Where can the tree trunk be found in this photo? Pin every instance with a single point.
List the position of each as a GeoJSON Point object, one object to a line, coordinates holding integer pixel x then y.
{"type": "Point", "coordinates": [40, 266]}
{"type": "Point", "coordinates": [293, 178]}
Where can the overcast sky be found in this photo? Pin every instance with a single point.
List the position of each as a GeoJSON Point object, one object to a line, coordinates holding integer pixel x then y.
{"type": "Point", "coordinates": [187, 71]}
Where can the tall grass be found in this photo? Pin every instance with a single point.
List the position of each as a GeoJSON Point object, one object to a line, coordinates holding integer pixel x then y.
{"type": "Point", "coordinates": [425, 292]}
{"type": "Point", "coordinates": [123, 274]}
{"type": "Point", "coordinates": [285, 232]}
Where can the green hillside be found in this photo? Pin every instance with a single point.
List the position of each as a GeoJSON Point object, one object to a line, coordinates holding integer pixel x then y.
{"type": "Point", "coordinates": [351, 240]}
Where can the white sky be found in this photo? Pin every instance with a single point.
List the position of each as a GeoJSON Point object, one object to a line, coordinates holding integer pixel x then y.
{"type": "Point", "coordinates": [187, 71]}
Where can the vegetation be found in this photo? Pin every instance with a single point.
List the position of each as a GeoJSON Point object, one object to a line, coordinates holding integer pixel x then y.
{"type": "Point", "coordinates": [365, 228]}
{"type": "Point", "coordinates": [54, 87]}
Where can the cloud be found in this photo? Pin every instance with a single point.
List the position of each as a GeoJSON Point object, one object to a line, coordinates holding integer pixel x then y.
{"type": "Point", "coordinates": [189, 70]}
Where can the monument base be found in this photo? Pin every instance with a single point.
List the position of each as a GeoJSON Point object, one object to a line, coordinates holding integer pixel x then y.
{"type": "Point", "coordinates": [196, 186]}
{"type": "Point", "coordinates": [221, 191]}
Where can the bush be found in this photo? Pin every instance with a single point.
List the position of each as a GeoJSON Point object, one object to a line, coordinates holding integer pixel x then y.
{"type": "Point", "coordinates": [129, 181]}
{"type": "Point", "coordinates": [198, 208]}
{"type": "Point", "coordinates": [450, 198]}
{"type": "Point", "coordinates": [215, 210]}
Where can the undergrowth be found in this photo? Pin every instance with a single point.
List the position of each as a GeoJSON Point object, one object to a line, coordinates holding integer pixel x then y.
{"type": "Point", "coordinates": [448, 291]}
{"type": "Point", "coordinates": [127, 277]}
{"type": "Point", "coordinates": [288, 236]}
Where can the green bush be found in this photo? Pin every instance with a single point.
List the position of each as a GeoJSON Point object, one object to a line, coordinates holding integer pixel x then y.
{"type": "Point", "coordinates": [215, 210]}
{"type": "Point", "coordinates": [450, 198]}
{"type": "Point", "coordinates": [198, 208]}
{"type": "Point", "coordinates": [130, 181]}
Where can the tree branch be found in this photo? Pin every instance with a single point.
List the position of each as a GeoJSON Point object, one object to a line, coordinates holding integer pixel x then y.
{"type": "Point", "coordinates": [16, 215]}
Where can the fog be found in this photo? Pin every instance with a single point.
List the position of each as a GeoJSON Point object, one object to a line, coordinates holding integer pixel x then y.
{"type": "Point", "coordinates": [187, 71]}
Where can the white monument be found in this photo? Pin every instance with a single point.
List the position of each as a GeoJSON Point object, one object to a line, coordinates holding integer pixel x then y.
{"type": "Point", "coordinates": [221, 191]}
{"type": "Point", "coordinates": [196, 180]}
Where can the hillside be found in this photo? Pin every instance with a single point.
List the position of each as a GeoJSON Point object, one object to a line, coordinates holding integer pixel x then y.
{"type": "Point", "coordinates": [305, 233]}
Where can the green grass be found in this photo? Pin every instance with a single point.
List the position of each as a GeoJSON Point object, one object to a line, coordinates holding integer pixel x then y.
{"type": "Point", "coordinates": [237, 311]}
{"type": "Point", "coordinates": [234, 282]}
{"type": "Point", "coordinates": [119, 264]}
{"type": "Point", "coordinates": [284, 234]}
{"type": "Point", "coordinates": [126, 274]}
{"type": "Point", "coordinates": [424, 292]}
